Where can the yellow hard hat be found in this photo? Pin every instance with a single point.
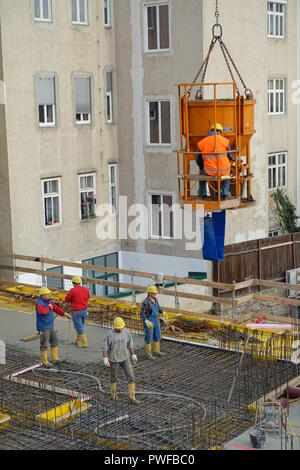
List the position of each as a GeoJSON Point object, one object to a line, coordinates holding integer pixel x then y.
{"type": "Point", "coordinates": [219, 127]}
{"type": "Point", "coordinates": [152, 290]}
{"type": "Point", "coordinates": [76, 280]}
{"type": "Point", "coordinates": [44, 291]}
{"type": "Point", "coordinates": [119, 323]}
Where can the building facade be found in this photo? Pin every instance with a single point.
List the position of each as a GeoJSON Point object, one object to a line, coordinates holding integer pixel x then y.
{"type": "Point", "coordinates": [89, 111]}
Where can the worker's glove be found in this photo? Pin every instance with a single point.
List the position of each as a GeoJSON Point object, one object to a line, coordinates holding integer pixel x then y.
{"type": "Point", "coordinates": [106, 362]}
{"type": "Point", "coordinates": [67, 316]}
{"type": "Point", "coordinates": [51, 306]}
{"type": "Point", "coordinates": [134, 358]}
{"type": "Point", "coordinates": [149, 324]}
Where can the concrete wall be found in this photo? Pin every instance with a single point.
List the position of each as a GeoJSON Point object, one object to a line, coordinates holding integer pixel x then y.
{"type": "Point", "coordinates": [31, 47]}
{"type": "Point", "coordinates": [143, 75]}
{"type": "Point", "coordinates": [258, 58]}
{"type": "Point", "coordinates": [5, 208]}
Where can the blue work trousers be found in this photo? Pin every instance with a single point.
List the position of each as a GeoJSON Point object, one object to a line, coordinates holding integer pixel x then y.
{"type": "Point", "coordinates": [152, 334]}
{"type": "Point", "coordinates": [79, 319]}
{"type": "Point", "coordinates": [202, 186]}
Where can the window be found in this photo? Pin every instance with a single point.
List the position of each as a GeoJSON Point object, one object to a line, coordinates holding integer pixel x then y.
{"type": "Point", "coordinates": [161, 216]}
{"type": "Point", "coordinates": [274, 233]}
{"type": "Point", "coordinates": [55, 282]}
{"type": "Point", "coordinates": [276, 19]}
{"type": "Point", "coordinates": [277, 170]}
{"type": "Point", "coordinates": [46, 101]}
{"type": "Point", "coordinates": [43, 10]}
{"type": "Point", "coordinates": [80, 12]}
{"type": "Point", "coordinates": [276, 96]}
{"type": "Point", "coordinates": [157, 27]}
{"type": "Point", "coordinates": [106, 261]}
{"type": "Point", "coordinates": [83, 100]}
{"type": "Point", "coordinates": [109, 97]}
{"type": "Point", "coordinates": [113, 191]}
{"type": "Point", "coordinates": [159, 122]}
{"type": "Point", "coordinates": [106, 13]}
{"type": "Point", "coordinates": [87, 194]}
{"type": "Point", "coordinates": [52, 202]}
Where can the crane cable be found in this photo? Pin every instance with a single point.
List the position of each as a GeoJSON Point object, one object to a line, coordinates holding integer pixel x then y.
{"type": "Point", "coordinates": [217, 37]}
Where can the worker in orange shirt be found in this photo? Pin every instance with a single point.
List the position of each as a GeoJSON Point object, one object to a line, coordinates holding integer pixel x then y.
{"type": "Point", "coordinates": [208, 161]}
{"type": "Point", "coordinates": [78, 297]}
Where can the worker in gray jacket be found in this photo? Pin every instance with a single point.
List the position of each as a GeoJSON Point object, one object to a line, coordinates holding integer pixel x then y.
{"type": "Point", "coordinates": [116, 348]}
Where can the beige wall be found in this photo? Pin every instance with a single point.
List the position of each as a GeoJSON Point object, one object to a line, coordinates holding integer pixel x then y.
{"type": "Point", "coordinates": [29, 48]}
{"type": "Point", "coordinates": [258, 58]}
{"type": "Point", "coordinates": [5, 209]}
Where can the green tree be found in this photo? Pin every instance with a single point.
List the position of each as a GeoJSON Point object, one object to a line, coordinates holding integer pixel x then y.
{"type": "Point", "coordinates": [285, 212]}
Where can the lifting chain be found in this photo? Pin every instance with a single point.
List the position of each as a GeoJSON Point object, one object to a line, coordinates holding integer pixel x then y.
{"type": "Point", "coordinates": [217, 32]}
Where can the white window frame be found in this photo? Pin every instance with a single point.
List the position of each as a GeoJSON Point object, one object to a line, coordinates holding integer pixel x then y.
{"type": "Point", "coordinates": [42, 19]}
{"type": "Point", "coordinates": [275, 232]}
{"type": "Point", "coordinates": [107, 9]}
{"type": "Point", "coordinates": [148, 119]}
{"type": "Point", "coordinates": [86, 190]}
{"type": "Point", "coordinates": [157, 5]}
{"type": "Point", "coordinates": [276, 93]}
{"type": "Point", "coordinates": [276, 19]}
{"type": "Point", "coordinates": [279, 167]}
{"type": "Point", "coordinates": [81, 121]}
{"type": "Point", "coordinates": [114, 209]}
{"type": "Point", "coordinates": [162, 195]}
{"type": "Point", "coordinates": [86, 13]}
{"type": "Point", "coordinates": [52, 195]}
{"type": "Point", "coordinates": [45, 106]}
{"type": "Point", "coordinates": [109, 96]}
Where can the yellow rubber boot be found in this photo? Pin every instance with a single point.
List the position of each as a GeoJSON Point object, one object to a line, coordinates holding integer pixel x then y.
{"type": "Point", "coordinates": [131, 392]}
{"type": "Point", "coordinates": [54, 355]}
{"type": "Point", "coordinates": [44, 357]}
{"type": "Point", "coordinates": [156, 349]}
{"type": "Point", "coordinates": [113, 389]}
{"type": "Point", "coordinates": [82, 341]}
{"type": "Point", "coordinates": [76, 341]}
{"type": "Point", "coordinates": [148, 350]}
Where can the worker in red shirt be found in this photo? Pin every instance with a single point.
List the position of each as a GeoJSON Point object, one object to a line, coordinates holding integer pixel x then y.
{"type": "Point", "coordinates": [78, 297]}
{"type": "Point", "coordinates": [45, 325]}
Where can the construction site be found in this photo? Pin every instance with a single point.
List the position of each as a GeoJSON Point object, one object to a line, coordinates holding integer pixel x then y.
{"type": "Point", "coordinates": [208, 339]}
{"type": "Point", "coordinates": [221, 377]}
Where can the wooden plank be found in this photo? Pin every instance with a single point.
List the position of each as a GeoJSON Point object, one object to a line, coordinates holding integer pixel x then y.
{"type": "Point", "coordinates": [244, 299]}
{"type": "Point", "coordinates": [118, 284]}
{"type": "Point", "coordinates": [278, 285]}
{"type": "Point", "coordinates": [275, 300]}
{"type": "Point", "coordinates": [126, 272]}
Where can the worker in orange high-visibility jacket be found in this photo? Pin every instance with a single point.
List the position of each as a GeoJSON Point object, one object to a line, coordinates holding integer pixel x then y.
{"type": "Point", "coordinates": [209, 162]}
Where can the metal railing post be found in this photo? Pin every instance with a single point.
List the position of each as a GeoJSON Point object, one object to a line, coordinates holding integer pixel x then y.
{"type": "Point", "coordinates": [177, 305]}
{"type": "Point", "coordinates": [132, 288]}
{"type": "Point", "coordinates": [233, 299]}
{"type": "Point", "coordinates": [43, 269]}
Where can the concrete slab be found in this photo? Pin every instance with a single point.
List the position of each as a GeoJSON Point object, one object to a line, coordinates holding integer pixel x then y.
{"type": "Point", "coordinates": [273, 442]}
{"type": "Point", "coordinates": [15, 325]}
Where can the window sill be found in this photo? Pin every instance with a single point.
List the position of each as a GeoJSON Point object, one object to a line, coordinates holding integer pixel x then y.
{"type": "Point", "coordinates": [83, 123]}
{"type": "Point", "coordinates": [47, 227]}
{"type": "Point", "coordinates": [85, 221]}
{"type": "Point", "coordinates": [157, 52]}
{"type": "Point", "coordinates": [45, 126]}
{"type": "Point", "coordinates": [79, 24]}
{"type": "Point", "coordinates": [40, 20]}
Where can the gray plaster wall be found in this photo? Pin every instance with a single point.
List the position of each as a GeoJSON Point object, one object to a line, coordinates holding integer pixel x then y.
{"type": "Point", "coordinates": [258, 58]}
{"type": "Point", "coordinates": [5, 208]}
{"type": "Point", "coordinates": [30, 47]}
{"type": "Point", "coordinates": [143, 75]}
